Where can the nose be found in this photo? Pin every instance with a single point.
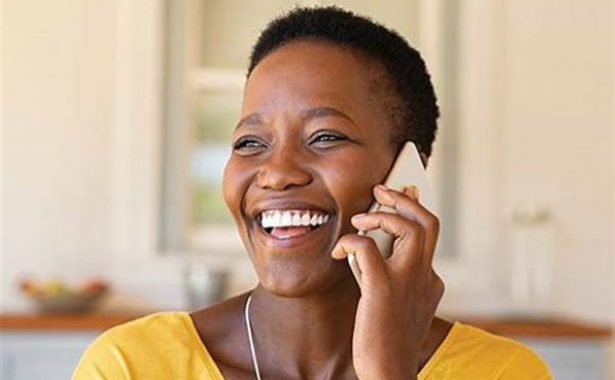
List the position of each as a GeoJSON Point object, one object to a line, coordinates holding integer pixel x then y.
{"type": "Point", "coordinates": [283, 170]}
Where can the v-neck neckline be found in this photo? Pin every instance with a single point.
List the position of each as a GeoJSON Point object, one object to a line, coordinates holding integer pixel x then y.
{"type": "Point", "coordinates": [213, 368]}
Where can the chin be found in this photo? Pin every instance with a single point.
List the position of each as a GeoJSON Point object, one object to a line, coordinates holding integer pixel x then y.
{"type": "Point", "coordinates": [293, 281]}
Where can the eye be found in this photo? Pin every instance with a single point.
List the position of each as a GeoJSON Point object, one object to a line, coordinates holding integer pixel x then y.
{"type": "Point", "coordinates": [327, 138]}
{"type": "Point", "coordinates": [248, 145]}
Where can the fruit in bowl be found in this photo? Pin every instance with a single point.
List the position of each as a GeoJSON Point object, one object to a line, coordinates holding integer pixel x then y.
{"type": "Point", "coordinates": [56, 296]}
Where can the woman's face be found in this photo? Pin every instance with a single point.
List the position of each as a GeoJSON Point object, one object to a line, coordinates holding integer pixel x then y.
{"type": "Point", "coordinates": [311, 144]}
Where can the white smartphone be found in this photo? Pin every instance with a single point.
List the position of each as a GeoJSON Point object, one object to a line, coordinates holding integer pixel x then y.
{"type": "Point", "coordinates": [407, 170]}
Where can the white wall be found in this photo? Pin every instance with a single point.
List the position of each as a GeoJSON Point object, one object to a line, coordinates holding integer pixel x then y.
{"type": "Point", "coordinates": [57, 87]}
{"type": "Point", "coordinates": [81, 109]}
{"type": "Point", "coordinates": [538, 126]}
{"type": "Point", "coordinates": [567, 69]}
{"type": "Point", "coordinates": [535, 125]}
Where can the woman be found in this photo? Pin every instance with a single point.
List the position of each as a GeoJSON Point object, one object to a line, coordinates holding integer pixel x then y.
{"type": "Point", "coordinates": [329, 100]}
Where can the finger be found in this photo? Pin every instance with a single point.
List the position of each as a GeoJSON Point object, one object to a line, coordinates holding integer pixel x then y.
{"type": "Point", "coordinates": [367, 255]}
{"type": "Point", "coordinates": [412, 192]}
{"type": "Point", "coordinates": [409, 237]}
{"type": "Point", "coordinates": [403, 202]}
{"type": "Point", "coordinates": [410, 208]}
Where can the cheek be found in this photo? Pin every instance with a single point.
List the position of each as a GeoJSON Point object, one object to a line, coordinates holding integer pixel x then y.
{"type": "Point", "coordinates": [351, 180]}
{"type": "Point", "coordinates": [235, 182]}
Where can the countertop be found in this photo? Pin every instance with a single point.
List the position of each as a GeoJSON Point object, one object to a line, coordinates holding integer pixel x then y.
{"type": "Point", "coordinates": [552, 328]}
{"type": "Point", "coordinates": [548, 328]}
{"type": "Point", "coordinates": [64, 322]}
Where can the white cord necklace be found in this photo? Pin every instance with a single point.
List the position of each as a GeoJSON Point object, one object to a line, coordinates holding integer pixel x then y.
{"type": "Point", "coordinates": [251, 338]}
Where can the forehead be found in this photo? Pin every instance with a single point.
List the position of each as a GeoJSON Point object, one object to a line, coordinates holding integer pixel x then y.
{"type": "Point", "coordinates": [313, 73]}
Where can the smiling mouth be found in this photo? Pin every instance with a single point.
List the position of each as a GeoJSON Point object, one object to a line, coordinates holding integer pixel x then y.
{"type": "Point", "coordinates": [288, 224]}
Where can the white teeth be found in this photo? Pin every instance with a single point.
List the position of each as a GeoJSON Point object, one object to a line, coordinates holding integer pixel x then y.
{"type": "Point", "coordinates": [289, 218]}
{"type": "Point", "coordinates": [305, 219]}
{"type": "Point", "coordinates": [296, 219]}
{"type": "Point", "coordinates": [314, 220]}
{"type": "Point", "coordinates": [286, 219]}
{"type": "Point", "coordinates": [276, 220]}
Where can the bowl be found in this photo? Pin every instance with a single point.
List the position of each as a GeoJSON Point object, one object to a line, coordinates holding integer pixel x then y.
{"type": "Point", "coordinates": [57, 296]}
{"type": "Point", "coordinates": [67, 303]}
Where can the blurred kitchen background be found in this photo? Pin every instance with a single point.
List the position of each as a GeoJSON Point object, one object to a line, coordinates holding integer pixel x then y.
{"type": "Point", "coordinates": [116, 122]}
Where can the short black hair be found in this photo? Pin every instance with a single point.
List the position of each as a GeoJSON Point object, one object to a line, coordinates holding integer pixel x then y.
{"type": "Point", "coordinates": [412, 104]}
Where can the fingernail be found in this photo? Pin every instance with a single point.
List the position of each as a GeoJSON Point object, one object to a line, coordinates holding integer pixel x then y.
{"type": "Point", "coordinates": [359, 216]}
{"type": "Point", "coordinates": [385, 194]}
{"type": "Point", "coordinates": [382, 187]}
{"type": "Point", "coordinates": [413, 192]}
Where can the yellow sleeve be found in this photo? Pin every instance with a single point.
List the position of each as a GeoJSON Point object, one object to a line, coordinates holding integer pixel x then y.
{"type": "Point", "coordinates": [525, 364]}
{"type": "Point", "coordinates": [159, 346]}
{"type": "Point", "coordinates": [102, 360]}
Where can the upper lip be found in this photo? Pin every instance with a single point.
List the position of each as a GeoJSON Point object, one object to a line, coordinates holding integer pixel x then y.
{"type": "Point", "coordinates": [285, 204]}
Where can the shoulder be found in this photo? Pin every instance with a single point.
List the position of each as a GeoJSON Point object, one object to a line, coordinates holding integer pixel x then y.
{"type": "Point", "coordinates": [470, 352]}
{"type": "Point", "coordinates": [121, 351]}
{"type": "Point", "coordinates": [525, 363]}
{"type": "Point", "coordinates": [508, 358]}
{"type": "Point", "coordinates": [158, 327]}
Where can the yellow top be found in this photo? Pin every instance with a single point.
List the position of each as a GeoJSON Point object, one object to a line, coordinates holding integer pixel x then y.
{"type": "Point", "coordinates": [167, 346]}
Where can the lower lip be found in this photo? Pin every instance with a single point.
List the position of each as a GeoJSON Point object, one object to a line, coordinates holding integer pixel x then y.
{"type": "Point", "coordinates": [318, 233]}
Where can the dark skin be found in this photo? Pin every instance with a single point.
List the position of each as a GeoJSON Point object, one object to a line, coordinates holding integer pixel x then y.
{"type": "Point", "coordinates": [313, 136]}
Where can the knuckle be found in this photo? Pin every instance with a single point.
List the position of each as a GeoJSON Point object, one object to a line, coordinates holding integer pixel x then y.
{"type": "Point", "coordinates": [357, 242]}
{"type": "Point", "coordinates": [414, 228]}
{"type": "Point", "coordinates": [433, 222]}
{"type": "Point", "coordinates": [366, 243]}
{"type": "Point", "coordinates": [345, 239]}
{"type": "Point", "coordinates": [438, 283]}
{"type": "Point", "coordinates": [441, 285]}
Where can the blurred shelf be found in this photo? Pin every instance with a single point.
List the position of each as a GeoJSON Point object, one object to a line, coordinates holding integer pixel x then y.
{"type": "Point", "coordinates": [500, 326]}
{"type": "Point", "coordinates": [553, 328]}
{"type": "Point", "coordinates": [64, 322]}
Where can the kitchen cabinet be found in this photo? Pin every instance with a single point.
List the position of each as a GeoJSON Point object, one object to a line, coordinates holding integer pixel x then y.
{"type": "Point", "coordinates": [41, 355]}
{"type": "Point", "coordinates": [573, 359]}
{"type": "Point", "coordinates": [48, 347]}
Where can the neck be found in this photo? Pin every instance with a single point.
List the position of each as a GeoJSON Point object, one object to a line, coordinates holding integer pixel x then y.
{"type": "Point", "coordinates": [306, 337]}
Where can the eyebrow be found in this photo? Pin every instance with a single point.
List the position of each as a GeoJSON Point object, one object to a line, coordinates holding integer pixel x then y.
{"type": "Point", "coordinates": [307, 115]}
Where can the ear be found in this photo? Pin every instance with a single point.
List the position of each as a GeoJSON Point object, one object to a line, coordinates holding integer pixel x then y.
{"type": "Point", "coordinates": [424, 159]}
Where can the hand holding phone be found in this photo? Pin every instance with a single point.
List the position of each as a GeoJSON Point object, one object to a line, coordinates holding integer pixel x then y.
{"type": "Point", "coordinates": [407, 170]}
{"type": "Point", "coordinates": [399, 295]}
